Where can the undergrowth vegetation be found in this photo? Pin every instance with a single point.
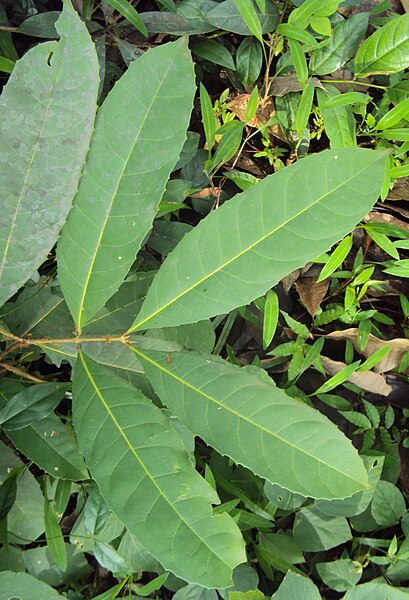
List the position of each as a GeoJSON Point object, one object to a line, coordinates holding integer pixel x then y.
{"type": "Point", "coordinates": [203, 291]}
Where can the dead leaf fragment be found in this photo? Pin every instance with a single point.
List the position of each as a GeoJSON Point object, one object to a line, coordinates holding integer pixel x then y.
{"type": "Point", "coordinates": [399, 347]}
{"type": "Point", "coordinates": [265, 111]}
{"type": "Point", "coordinates": [400, 190]}
{"type": "Point", "coordinates": [405, 4]}
{"type": "Point", "coordinates": [366, 380]}
{"type": "Point", "coordinates": [285, 84]}
{"type": "Point", "coordinates": [311, 293]}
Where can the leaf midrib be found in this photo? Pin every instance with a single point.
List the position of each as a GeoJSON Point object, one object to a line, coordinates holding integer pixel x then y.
{"type": "Point", "coordinates": [141, 463]}
{"type": "Point", "coordinates": [238, 415]}
{"type": "Point", "coordinates": [139, 325]}
{"type": "Point", "coordinates": [114, 195]}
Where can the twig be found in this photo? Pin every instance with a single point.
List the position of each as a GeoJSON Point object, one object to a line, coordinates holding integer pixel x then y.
{"type": "Point", "coordinates": [21, 373]}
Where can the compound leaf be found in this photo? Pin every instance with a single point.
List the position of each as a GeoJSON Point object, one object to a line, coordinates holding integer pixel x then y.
{"type": "Point", "coordinates": [140, 131]}
{"type": "Point", "coordinates": [55, 87]}
{"type": "Point", "coordinates": [146, 478]}
{"type": "Point", "coordinates": [256, 424]}
{"type": "Point", "coordinates": [250, 243]}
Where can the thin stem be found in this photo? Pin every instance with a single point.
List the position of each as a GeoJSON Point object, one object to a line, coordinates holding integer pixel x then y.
{"type": "Point", "coordinates": [27, 341]}
{"type": "Point", "coordinates": [6, 28]}
{"type": "Point", "coordinates": [21, 373]}
{"type": "Point", "coordinates": [353, 82]}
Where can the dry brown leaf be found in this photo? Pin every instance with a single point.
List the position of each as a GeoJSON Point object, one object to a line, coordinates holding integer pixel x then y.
{"type": "Point", "coordinates": [290, 279]}
{"type": "Point", "coordinates": [285, 84]}
{"type": "Point", "coordinates": [265, 111]}
{"type": "Point", "coordinates": [246, 163]}
{"type": "Point", "coordinates": [400, 190]}
{"type": "Point", "coordinates": [311, 293]}
{"type": "Point", "coordinates": [405, 4]}
{"type": "Point", "coordinates": [366, 380]}
{"type": "Point", "coordinates": [399, 346]}
{"type": "Point", "coordinates": [205, 192]}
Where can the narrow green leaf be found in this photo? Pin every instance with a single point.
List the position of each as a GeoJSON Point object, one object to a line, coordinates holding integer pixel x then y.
{"type": "Point", "coordinates": [208, 117]}
{"type": "Point", "coordinates": [296, 33]}
{"type": "Point", "coordinates": [337, 258]}
{"type": "Point", "coordinates": [385, 243]}
{"type": "Point", "coordinates": [52, 445]}
{"type": "Point", "coordinates": [145, 475]}
{"type": "Point", "coordinates": [127, 10]}
{"type": "Point", "coordinates": [32, 404]}
{"type": "Point", "coordinates": [363, 333]}
{"type": "Point", "coordinates": [8, 493]}
{"type": "Point", "coordinates": [48, 146]}
{"type": "Point", "coordinates": [346, 99]}
{"type": "Point", "coordinates": [154, 585]}
{"type": "Point", "coordinates": [394, 116]}
{"type": "Point", "coordinates": [252, 105]}
{"type": "Point", "coordinates": [396, 135]}
{"type": "Point", "coordinates": [401, 171]}
{"type": "Point", "coordinates": [232, 133]}
{"type": "Point", "coordinates": [270, 319]}
{"type": "Point", "coordinates": [299, 61]}
{"type": "Point", "coordinates": [376, 357]}
{"type": "Point", "coordinates": [140, 131]}
{"type": "Point", "coordinates": [298, 328]}
{"type": "Point", "coordinates": [304, 108]}
{"type": "Point", "coordinates": [217, 267]}
{"type": "Point", "coordinates": [339, 378]}
{"type": "Point", "coordinates": [244, 416]}
{"type": "Point", "coordinates": [342, 45]}
{"type": "Point", "coordinates": [6, 65]}
{"type": "Point", "coordinates": [55, 540]}
{"type": "Point", "coordinates": [250, 17]}
{"type": "Point", "coordinates": [386, 50]}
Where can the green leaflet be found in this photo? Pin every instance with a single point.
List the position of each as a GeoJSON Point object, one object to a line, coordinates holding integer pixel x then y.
{"type": "Point", "coordinates": [256, 424]}
{"type": "Point", "coordinates": [339, 121]}
{"type": "Point", "coordinates": [295, 587]}
{"type": "Point", "coordinates": [386, 50]}
{"type": "Point", "coordinates": [342, 45]}
{"type": "Point", "coordinates": [140, 131]}
{"type": "Point", "coordinates": [25, 587]}
{"type": "Point", "coordinates": [145, 475]}
{"type": "Point", "coordinates": [246, 246]}
{"type": "Point", "coordinates": [227, 16]}
{"type": "Point", "coordinates": [51, 444]}
{"type": "Point", "coordinates": [55, 87]}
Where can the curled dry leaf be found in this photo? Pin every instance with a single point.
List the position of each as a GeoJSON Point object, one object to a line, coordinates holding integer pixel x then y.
{"type": "Point", "coordinates": [311, 293]}
{"type": "Point", "coordinates": [399, 347]}
{"type": "Point", "coordinates": [264, 112]}
{"type": "Point", "coordinates": [366, 380]}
